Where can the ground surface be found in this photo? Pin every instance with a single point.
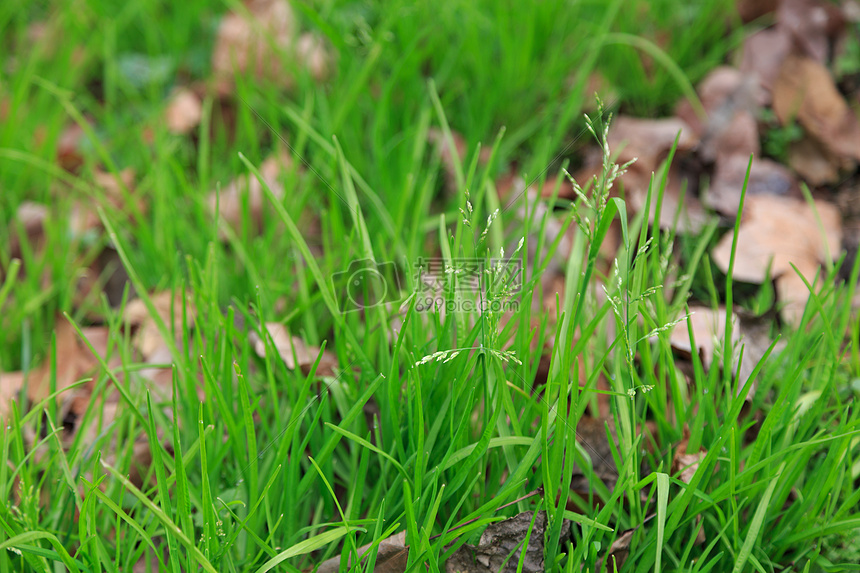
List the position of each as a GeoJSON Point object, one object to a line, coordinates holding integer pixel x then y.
{"type": "Point", "coordinates": [375, 286]}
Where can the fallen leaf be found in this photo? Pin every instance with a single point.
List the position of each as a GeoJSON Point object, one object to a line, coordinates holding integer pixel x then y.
{"type": "Point", "coordinates": [618, 551]}
{"type": "Point", "coordinates": [813, 162]}
{"type": "Point", "coordinates": [105, 276]}
{"type": "Point", "coordinates": [686, 464]}
{"type": "Point", "coordinates": [805, 90]}
{"type": "Point", "coordinates": [116, 192]}
{"type": "Point", "coordinates": [812, 25]}
{"type": "Point", "coordinates": [285, 344]}
{"type": "Point", "coordinates": [184, 111]}
{"type": "Point", "coordinates": [10, 385]}
{"type": "Point", "coordinates": [767, 178]}
{"type": "Point", "coordinates": [247, 188]}
{"type": "Point", "coordinates": [391, 557]}
{"type": "Point", "coordinates": [291, 349]}
{"type": "Point", "coordinates": [781, 231]}
{"type": "Point", "coordinates": [776, 232]}
{"type": "Point", "coordinates": [141, 565]}
{"type": "Point", "coordinates": [737, 134]}
{"type": "Point", "coordinates": [713, 92]}
{"type": "Point", "coordinates": [763, 54]}
{"type": "Point", "coordinates": [731, 100]}
{"type": "Point", "coordinates": [74, 361]}
{"type": "Point", "coordinates": [750, 10]}
{"type": "Point", "coordinates": [502, 539]}
{"type": "Point", "coordinates": [169, 307]}
{"type": "Point", "coordinates": [750, 335]}
{"type": "Point", "coordinates": [311, 52]}
{"type": "Point", "coordinates": [591, 434]}
{"type": "Point", "coordinates": [792, 292]}
{"type": "Point", "coordinates": [30, 219]}
{"type": "Point", "coordinates": [263, 40]}
{"type": "Point", "coordinates": [649, 141]}
{"type": "Point", "coordinates": [692, 216]}
{"type": "Point", "coordinates": [70, 154]}
{"type": "Point", "coordinates": [709, 331]}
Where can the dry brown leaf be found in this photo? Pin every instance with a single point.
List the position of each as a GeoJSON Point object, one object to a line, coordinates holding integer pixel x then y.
{"type": "Point", "coordinates": [106, 276]}
{"type": "Point", "coordinates": [813, 162]}
{"type": "Point", "coordinates": [159, 379]}
{"type": "Point", "coordinates": [750, 334]}
{"type": "Point", "coordinates": [778, 232]}
{"type": "Point", "coordinates": [805, 90]}
{"type": "Point", "coordinates": [851, 10]}
{"type": "Point", "coordinates": [692, 217]}
{"type": "Point", "coordinates": [5, 104]}
{"type": "Point", "coordinates": [247, 188]}
{"type": "Point", "coordinates": [502, 539]}
{"type": "Point", "coordinates": [591, 433]}
{"type": "Point", "coordinates": [74, 361]}
{"type": "Point", "coordinates": [69, 153]}
{"type": "Point", "coordinates": [263, 40]}
{"type": "Point", "coordinates": [767, 178]}
{"type": "Point", "coordinates": [391, 557]}
{"type": "Point", "coordinates": [285, 344]}
{"type": "Point", "coordinates": [311, 53]}
{"type": "Point", "coordinates": [169, 307]}
{"type": "Point", "coordinates": [763, 54]}
{"type": "Point", "coordinates": [10, 385]}
{"type": "Point", "coordinates": [31, 218]}
{"type": "Point", "coordinates": [792, 292]}
{"type": "Point", "coordinates": [619, 551]}
{"type": "Point", "coordinates": [784, 231]}
{"type": "Point", "coordinates": [116, 191]}
{"type": "Point", "coordinates": [750, 10]}
{"type": "Point", "coordinates": [184, 111]}
{"type": "Point", "coordinates": [737, 136]}
{"type": "Point", "coordinates": [709, 330]}
{"type": "Point", "coordinates": [141, 567]}
{"type": "Point", "coordinates": [304, 356]}
{"type": "Point", "coordinates": [254, 39]}
{"type": "Point", "coordinates": [812, 25]}
{"type": "Point", "coordinates": [649, 142]}
{"type": "Point", "coordinates": [100, 423]}
{"type": "Point", "coordinates": [686, 464]}
{"type": "Point", "coordinates": [713, 91]}
{"type": "Point", "coordinates": [730, 99]}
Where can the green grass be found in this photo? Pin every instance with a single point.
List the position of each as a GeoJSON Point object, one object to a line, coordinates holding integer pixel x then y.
{"type": "Point", "coordinates": [278, 470]}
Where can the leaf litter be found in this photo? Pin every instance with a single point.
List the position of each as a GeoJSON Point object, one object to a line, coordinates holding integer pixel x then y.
{"type": "Point", "coordinates": [784, 66]}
